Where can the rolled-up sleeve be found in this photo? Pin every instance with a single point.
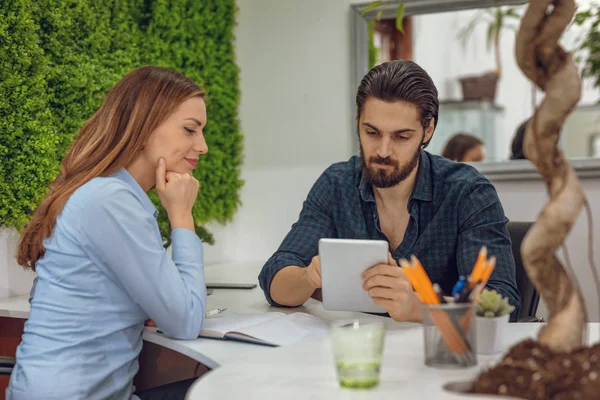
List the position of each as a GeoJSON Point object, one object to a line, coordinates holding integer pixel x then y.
{"type": "Point", "coordinates": [301, 244]}
{"type": "Point", "coordinates": [483, 223]}
{"type": "Point", "coordinates": [120, 235]}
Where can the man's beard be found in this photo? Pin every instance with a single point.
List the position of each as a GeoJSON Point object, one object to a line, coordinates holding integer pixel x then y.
{"type": "Point", "coordinates": [383, 178]}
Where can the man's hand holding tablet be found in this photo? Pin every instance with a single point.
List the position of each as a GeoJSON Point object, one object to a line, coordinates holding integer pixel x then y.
{"type": "Point", "coordinates": [389, 287]}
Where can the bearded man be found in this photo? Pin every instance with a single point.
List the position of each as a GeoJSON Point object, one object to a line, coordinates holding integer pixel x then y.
{"type": "Point", "coordinates": [439, 210]}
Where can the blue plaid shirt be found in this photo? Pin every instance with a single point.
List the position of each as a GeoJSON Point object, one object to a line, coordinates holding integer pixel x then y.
{"type": "Point", "coordinates": [454, 211]}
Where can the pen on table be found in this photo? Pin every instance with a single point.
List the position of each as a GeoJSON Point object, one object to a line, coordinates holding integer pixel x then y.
{"type": "Point", "coordinates": [214, 312]}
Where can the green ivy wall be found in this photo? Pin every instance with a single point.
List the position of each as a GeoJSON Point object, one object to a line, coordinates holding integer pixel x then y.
{"type": "Point", "coordinates": [59, 57]}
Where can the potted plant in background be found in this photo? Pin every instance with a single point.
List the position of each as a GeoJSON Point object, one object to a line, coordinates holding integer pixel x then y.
{"type": "Point", "coordinates": [378, 5]}
{"type": "Point", "coordinates": [497, 20]}
{"type": "Point", "coordinates": [588, 49]}
{"type": "Point", "coordinates": [493, 311]}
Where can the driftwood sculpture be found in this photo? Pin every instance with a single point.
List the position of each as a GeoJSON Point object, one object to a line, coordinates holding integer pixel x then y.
{"type": "Point", "coordinates": [553, 70]}
{"type": "Point", "coordinates": [557, 365]}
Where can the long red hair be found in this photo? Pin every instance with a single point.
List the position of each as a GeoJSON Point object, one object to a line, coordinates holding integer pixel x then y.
{"type": "Point", "coordinates": [110, 140]}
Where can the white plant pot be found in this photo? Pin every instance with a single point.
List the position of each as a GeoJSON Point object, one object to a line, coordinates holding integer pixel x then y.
{"type": "Point", "coordinates": [14, 280]}
{"type": "Point", "coordinates": [490, 334]}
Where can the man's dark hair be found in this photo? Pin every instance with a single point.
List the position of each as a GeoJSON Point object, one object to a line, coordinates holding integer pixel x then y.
{"type": "Point", "coordinates": [401, 80]}
{"type": "Point", "coordinates": [517, 152]}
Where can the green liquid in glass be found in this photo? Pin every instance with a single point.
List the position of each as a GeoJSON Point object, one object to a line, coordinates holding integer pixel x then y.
{"type": "Point", "coordinates": [358, 375]}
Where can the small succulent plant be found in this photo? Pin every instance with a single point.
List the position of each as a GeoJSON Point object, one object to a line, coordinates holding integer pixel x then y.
{"type": "Point", "coordinates": [491, 304]}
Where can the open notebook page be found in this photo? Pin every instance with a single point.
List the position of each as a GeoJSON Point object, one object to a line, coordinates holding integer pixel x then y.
{"type": "Point", "coordinates": [219, 326]}
{"type": "Point", "coordinates": [287, 330]}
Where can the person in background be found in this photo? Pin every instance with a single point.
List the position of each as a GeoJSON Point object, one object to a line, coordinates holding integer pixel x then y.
{"type": "Point", "coordinates": [441, 211]}
{"type": "Point", "coordinates": [463, 147]}
{"type": "Point", "coordinates": [95, 245]}
{"type": "Point", "coordinates": [517, 143]}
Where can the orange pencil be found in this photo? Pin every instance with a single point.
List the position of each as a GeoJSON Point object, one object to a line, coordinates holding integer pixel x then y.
{"type": "Point", "coordinates": [454, 340]}
{"type": "Point", "coordinates": [479, 265]}
{"type": "Point", "coordinates": [487, 272]}
{"type": "Point", "coordinates": [418, 277]}
{"type": "Point", "coordinates": [410, 274]}
{"type": "Point", "coordinates": [418, 283]}
{"type": "Point", "coordinates": [491, 264]}
{"type": "Point", "coordinates": [449, 332]}
{"type": "Point", "coordinates": [423, 278]}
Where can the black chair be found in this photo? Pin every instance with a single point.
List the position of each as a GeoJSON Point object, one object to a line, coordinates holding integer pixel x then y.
{"type": "Point", "coordinates": [529, 295]}
{"type": "Point", "coordinates": [6, 365]}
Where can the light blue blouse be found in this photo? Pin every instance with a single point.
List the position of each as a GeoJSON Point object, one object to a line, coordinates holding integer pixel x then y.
{"type": "Point", "coordinates": [104, 272]}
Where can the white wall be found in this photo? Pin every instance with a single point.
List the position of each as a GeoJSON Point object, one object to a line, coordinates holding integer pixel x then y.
{"type": "Point", "coordinates": [586, 121]}
{"type": "Point", "coordinates": [272, 201]}
{"type": "Point", "coordinates": [446, 60]}
{"type": "Point", "coordinates": [294, 58]}
{"type": "Point", "coordinates": [14, 280]}
{"type": "Point", "coordinates": [295, 81]}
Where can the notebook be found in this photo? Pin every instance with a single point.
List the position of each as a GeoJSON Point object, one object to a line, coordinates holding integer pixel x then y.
{"type": "Point", "coordinates": [269, 329]}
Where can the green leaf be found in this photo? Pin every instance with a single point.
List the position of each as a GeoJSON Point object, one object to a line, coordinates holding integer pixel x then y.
{"type": "Point", "coordinates": [400, 17]}
{"type": "Point", "coordinates": [373, 51]}
{"type": "Point", "coordinates": [512, 13]}
{"type": "Point", "coordinates": [379, 14]}
{"type": "Point", "coordinates": [490, 11]}
{"type": "Point", "coordinates": [490, 35]}
{"type": "Point", "coordinates": [499, 20]}
{"type": "Point", "coordinates": [581, 17]}
{"type": "Point", "coordinates": [370, 7]}
{"type": "Point", "coordinates": [467, 31]}
{"type": "Point", "coordinates": [205, 235]}
{"type": "Point", "coordinates": [588, 49]}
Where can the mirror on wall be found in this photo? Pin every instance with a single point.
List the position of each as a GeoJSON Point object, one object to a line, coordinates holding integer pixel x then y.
{"type": "Point", "coordinates": [467, 47]}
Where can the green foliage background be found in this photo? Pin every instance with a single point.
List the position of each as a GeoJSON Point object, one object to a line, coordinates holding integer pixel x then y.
{"type": "Point", "coordinates": [59, 57]}
{"type": "Point", "coordinates": [590, 44]}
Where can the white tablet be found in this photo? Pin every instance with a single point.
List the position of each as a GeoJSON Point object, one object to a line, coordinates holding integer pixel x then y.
{"type": "Point", "coordinates": [342, 263]}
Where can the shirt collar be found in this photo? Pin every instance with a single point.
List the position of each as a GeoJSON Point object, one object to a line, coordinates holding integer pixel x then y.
{"type": "Point", "coordinates": [422, 190]}
{"type": "Point", "coordinates": [126, 177]}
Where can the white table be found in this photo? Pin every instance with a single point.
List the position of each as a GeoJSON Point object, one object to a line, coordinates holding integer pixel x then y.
{"type": "Point", "coordinates": [15, 307]}
{"type": "Point", "coordinates": [214, 353]}
{"type": "Point", "coordinates": [306, 371]}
